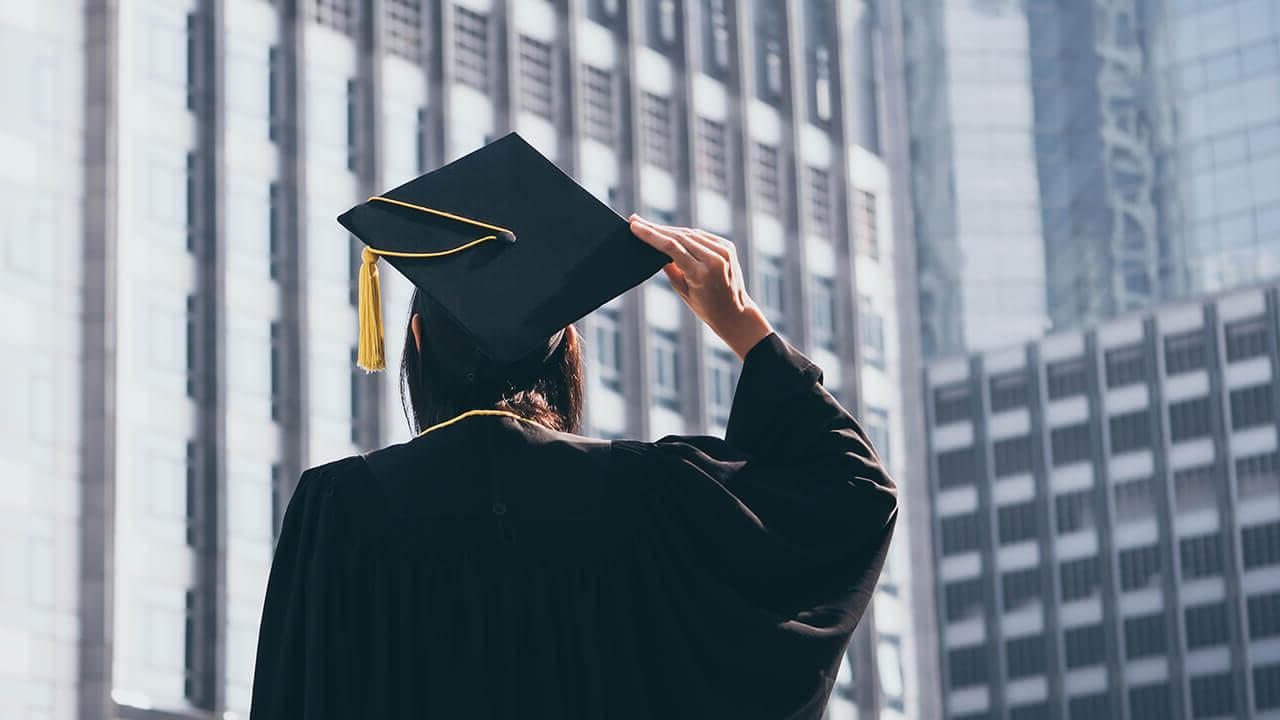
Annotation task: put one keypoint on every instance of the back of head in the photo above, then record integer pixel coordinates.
(551, 394)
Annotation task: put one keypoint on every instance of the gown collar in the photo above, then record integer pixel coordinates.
(470, 413)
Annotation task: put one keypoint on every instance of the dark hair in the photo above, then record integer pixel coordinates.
(429, 396)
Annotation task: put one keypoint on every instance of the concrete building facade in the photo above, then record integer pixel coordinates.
(1107, 518)
(182, 300)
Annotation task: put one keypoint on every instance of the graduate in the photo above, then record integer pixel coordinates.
(500, 565)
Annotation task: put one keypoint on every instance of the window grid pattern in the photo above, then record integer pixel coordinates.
(404, 29)
(768, 168)
(337, 14)
(865, 232)
(536, 78)
(1246, 339)
(713, 156)
(820, 202)
(471, 48)
(656, 123)
(597, 104)
(665, 351)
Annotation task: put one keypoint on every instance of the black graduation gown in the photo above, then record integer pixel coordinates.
(496, 569)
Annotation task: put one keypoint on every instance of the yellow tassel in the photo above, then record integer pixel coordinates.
(369, 352)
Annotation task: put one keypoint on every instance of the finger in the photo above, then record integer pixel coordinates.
(664, 243)
(708, 243)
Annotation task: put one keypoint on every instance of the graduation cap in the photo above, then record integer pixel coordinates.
(507, 249)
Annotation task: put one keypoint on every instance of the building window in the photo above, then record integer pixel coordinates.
(1079, 578)
(963, 599)
(717, 28)
(956, 467)
(1126, 366)
(876, 423)
(1206, 625)
(1074, 511)
(865, 229)
(768, 179)
(1070, 444)
(1213, 696)
(656, 121)
(821, 83)
(1066, 378)
(1201, 556)
(1026, 656)
(1088, 707)
(1017, 522)
(967, 666)
(1020, 588)
(1246, 339)
(274, 120)
(1139, 567)
(1012, 456)
(1195, 489)
(607, 338)
(420, 139)
(721, 381)
(277, 389)
(961, 533)
(1008, 390)
(662, 24)
(1258, 476)
(192, 345)
(192, 200)
(597, 104)
(274, 215)
(872, 332)
(1145, 636)
(1150, 701)
(1266, 687)
(1264, 616)
(823, 308)
(1189, 419)
(1084, 646)
(951, 403)
(1260, 545)
(404, 29)
(337, 14)
(1130, 431)
(536, 78)
(820, 202)
(277, 500)
(773, 287)
(471, 48)
(353, 125)
(1033, 711)
(665, 354)
(1135, 501)
(1251, 407)
(1185, 352)
(713, 156)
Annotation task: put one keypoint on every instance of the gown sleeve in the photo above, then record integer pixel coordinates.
(299, 647)
(792, 509)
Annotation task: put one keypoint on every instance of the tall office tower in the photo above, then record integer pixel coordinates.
(1107, 518)
(1096, 170)
(1215, 76)
(179, 299)
(974, 187)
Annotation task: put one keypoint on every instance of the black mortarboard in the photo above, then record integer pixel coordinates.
(505, 246)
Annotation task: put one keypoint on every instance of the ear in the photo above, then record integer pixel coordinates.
(415, 323)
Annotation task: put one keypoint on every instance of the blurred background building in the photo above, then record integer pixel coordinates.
(179, 299)
(1107, 518)
(1072, 161)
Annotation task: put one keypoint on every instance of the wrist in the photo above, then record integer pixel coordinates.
(746, 331)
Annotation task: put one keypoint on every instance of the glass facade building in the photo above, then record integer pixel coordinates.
(1106, 518)
(974, 187)
(180, 300)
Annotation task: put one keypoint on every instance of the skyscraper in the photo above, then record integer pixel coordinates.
(1073, 161)
(182, 300)
(1106, 508)
(974, 190)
